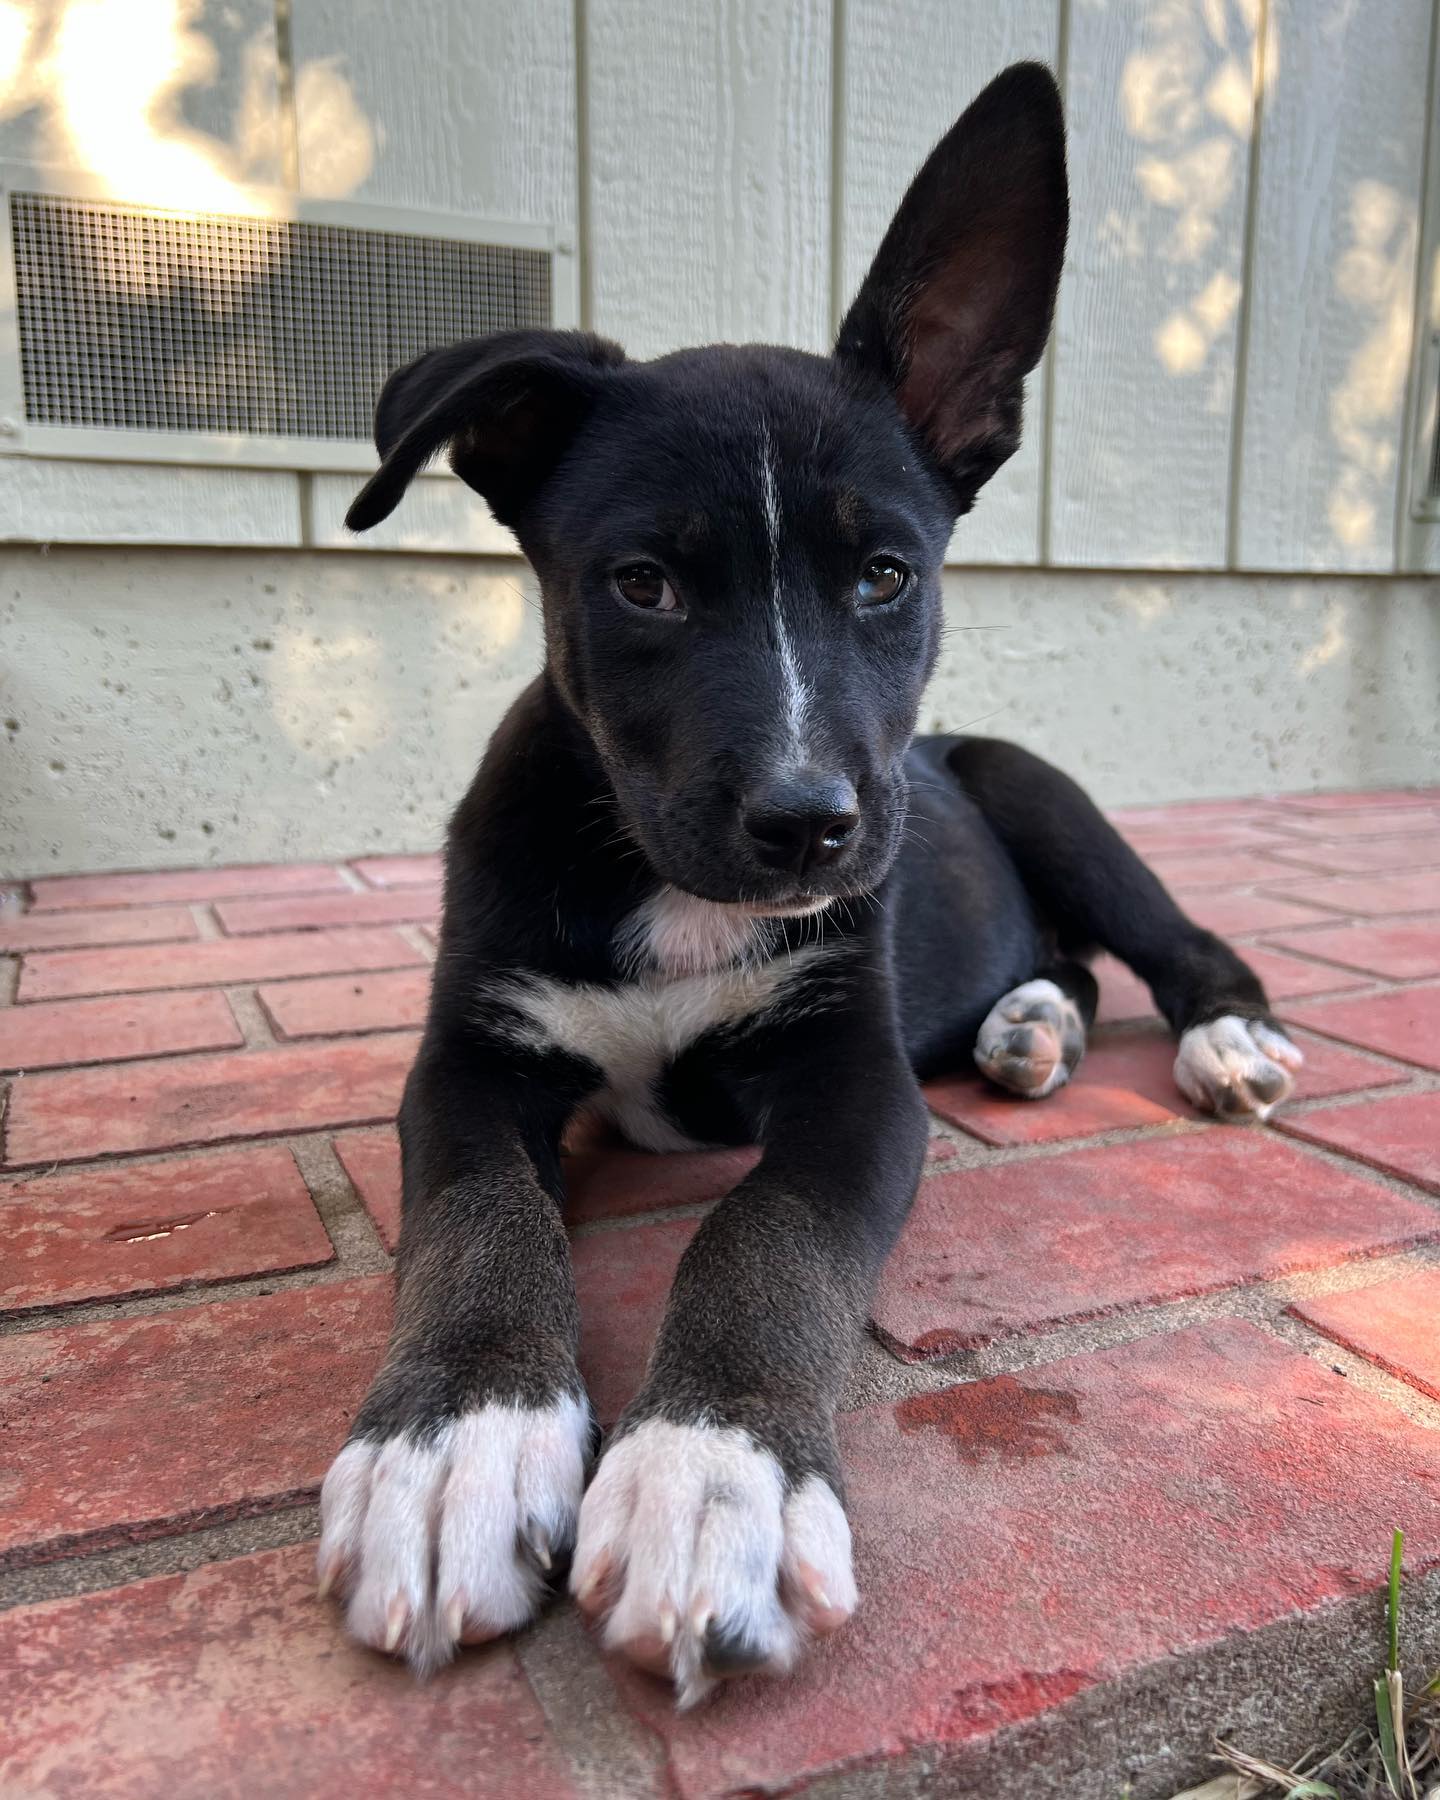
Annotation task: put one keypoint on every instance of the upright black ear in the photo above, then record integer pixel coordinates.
(957, 305)
(506, 405)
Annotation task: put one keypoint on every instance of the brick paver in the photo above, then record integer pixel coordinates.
(1172, 838)
(612, 1184)
(1194, 873)
(1367, 894)
(63, 974)
(623, 1279)
(1404, 1023)
(332, 1005)
(1233, 915)
(1400, 1135)
(1099, 1097)
(1343, 827)
(1370, 801)
(56, 1032)
(139, 1228)
(232, 1681)
(372, 1161)
(55, 891)
(1403, 951)
(1022, 1539)
(165, 1105)
(1289, 977)
(1393, 1323)
(1415, 850)
(400, 871)
(1124, 996)
(125, 1429)
(309, 912)
(83, 930)
(604, 1183)
(991, 1252)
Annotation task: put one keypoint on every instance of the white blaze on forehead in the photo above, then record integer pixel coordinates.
(797, 698)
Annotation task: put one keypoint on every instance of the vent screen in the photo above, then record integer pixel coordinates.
(147, 321)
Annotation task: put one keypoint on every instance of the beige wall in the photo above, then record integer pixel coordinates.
(1233, 387)
(215, 706)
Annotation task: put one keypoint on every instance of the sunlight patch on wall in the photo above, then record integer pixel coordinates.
(1189, 96)
(1330, 644)
(111, 82)
(337, 144)
(1373, 277)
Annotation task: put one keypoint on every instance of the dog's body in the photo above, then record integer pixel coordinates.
(706, 885)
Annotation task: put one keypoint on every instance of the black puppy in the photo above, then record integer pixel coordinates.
(681, 892)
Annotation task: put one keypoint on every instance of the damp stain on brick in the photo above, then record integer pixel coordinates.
(1001, 1417)
(148, 1232)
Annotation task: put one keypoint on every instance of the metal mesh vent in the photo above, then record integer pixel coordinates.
(148, 321)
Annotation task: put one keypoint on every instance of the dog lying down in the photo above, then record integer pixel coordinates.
(681, 893)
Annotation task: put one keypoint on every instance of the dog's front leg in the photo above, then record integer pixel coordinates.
(713, 1539)
(459, 1486)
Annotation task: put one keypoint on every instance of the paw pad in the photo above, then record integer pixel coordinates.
(1032, 1040)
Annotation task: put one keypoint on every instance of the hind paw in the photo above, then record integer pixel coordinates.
(1234, 1067)
(1032, 1040)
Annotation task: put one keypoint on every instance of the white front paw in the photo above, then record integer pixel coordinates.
(446, 1539)
(1234, 1066)
(701, 1563)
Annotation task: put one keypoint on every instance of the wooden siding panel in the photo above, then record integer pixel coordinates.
(949, 50)
(709, 172)
(1332, 287)
(456, 107)
(1160, 102)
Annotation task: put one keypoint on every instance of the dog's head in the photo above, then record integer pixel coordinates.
(740, 548)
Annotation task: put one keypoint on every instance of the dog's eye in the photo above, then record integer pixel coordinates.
(643, 585)
(881, 581)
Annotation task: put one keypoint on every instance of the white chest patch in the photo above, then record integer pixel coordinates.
(636, 1030)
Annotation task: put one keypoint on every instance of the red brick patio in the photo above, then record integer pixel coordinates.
(1145, 1398)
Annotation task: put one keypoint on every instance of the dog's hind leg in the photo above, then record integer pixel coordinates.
(1093, 889)
(1033, 1038)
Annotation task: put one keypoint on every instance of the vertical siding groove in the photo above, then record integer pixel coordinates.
(285, 97)
(584, 249)
(1427, 250)
(839, 298)
(1247, 273)
(1047, 416)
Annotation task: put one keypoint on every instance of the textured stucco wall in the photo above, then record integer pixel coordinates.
(169, 706)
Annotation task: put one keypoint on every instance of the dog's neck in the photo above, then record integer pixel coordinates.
(575, 880)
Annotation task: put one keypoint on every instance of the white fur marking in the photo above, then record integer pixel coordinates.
(1220, 1064)
(635, 1031)
(428, 1538)
(798, 697)
(677, 933)
(689, 1525)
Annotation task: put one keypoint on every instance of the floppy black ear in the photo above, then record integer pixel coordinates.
(957, 305)
(505, 405)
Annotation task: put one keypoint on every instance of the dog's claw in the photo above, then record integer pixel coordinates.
(702, 1563)
(1236, 1068)
(397, 1617)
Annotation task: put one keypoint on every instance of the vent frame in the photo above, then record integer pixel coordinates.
(1425, 460)
(20, 436)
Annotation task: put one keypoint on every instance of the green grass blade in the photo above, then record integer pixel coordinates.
(1387, 1736)
(1393, 1609)
(1312, 1790)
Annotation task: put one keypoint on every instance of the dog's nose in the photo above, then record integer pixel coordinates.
(802, 821)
